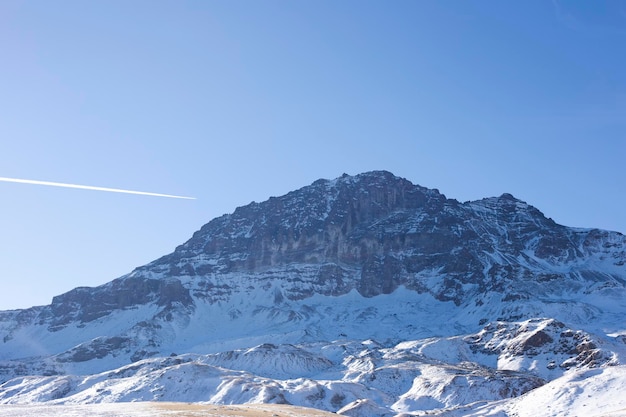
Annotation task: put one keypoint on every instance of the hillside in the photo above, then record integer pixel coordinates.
(364, 295)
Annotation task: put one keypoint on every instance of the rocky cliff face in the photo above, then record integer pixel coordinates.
(392, 231)
(372, 232)
(363, 256)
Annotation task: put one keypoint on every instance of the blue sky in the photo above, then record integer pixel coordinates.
(233, 102)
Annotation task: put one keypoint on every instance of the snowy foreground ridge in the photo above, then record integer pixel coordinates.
(364, 296)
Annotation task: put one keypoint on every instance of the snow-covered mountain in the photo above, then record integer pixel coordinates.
(364, 295)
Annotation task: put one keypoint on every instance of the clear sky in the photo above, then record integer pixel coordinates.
(237, 101)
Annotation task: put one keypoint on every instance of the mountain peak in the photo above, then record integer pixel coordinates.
(369, 256)
(382, 225)
(365, 179)
(507, 196)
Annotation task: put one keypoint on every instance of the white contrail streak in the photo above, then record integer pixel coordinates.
(89, 187)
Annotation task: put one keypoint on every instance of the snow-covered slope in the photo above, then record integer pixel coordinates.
(593, 393)
(364, 294)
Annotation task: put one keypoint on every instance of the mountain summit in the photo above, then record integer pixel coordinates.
(366, 257)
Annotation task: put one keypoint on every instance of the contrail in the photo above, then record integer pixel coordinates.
(89, 187)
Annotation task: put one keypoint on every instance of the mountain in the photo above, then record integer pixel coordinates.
(364, 295)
